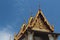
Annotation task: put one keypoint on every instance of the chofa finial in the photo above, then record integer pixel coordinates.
(24, 20)
(39, 6)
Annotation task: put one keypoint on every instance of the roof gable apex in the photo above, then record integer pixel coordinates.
(44, 20)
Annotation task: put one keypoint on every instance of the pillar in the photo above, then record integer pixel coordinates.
(30, 35)
(50, 37)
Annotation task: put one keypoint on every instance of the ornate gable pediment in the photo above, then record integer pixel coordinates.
(40, 23)
(37, 23)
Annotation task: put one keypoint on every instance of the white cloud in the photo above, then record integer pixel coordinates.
(6, 33)
(4, 36)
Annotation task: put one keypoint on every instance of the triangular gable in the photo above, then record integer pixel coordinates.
(40, 23)
(21, 32)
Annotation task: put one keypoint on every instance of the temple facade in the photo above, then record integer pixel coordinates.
(38, 28)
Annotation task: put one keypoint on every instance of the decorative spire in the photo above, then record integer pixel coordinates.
(24, 20)
(31, 14)
(39, 6)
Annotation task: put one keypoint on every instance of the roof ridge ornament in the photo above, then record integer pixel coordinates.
(39, 6)
(24, 20)
(31, 13)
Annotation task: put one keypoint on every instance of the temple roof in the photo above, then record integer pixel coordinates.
(44, 20)
(37, 23)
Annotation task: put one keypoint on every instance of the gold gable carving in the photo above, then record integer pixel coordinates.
(41, 23)
(37, 23)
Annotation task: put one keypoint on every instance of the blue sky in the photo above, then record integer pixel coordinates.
(13, 12)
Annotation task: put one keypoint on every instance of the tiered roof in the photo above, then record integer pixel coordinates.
(37, 23)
